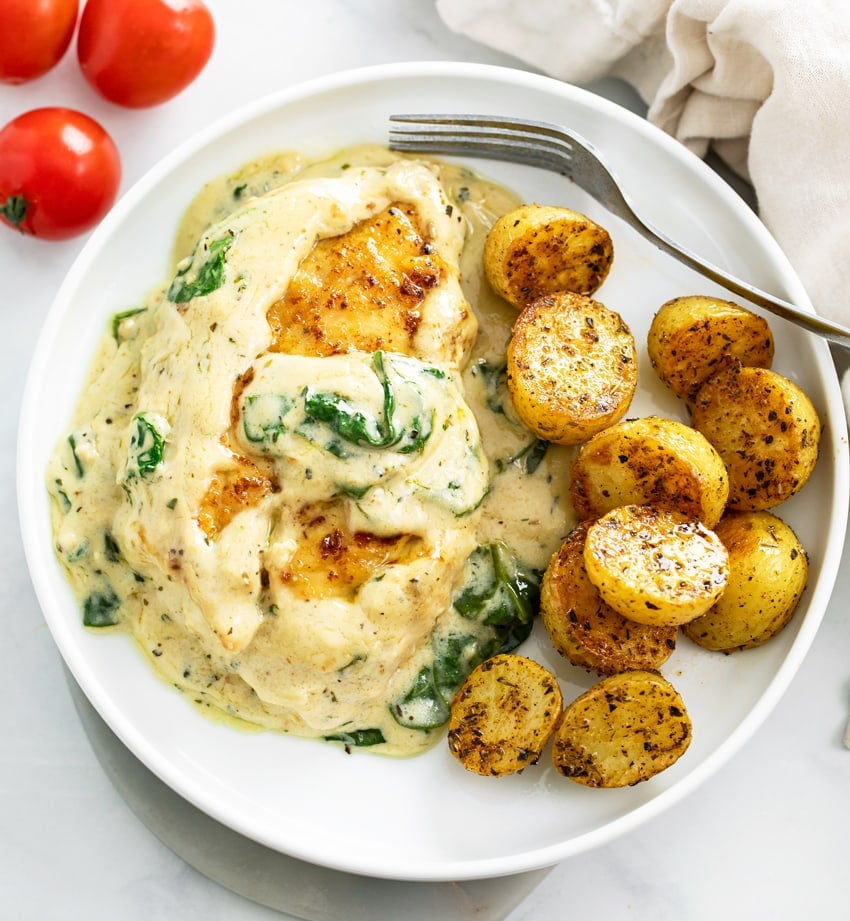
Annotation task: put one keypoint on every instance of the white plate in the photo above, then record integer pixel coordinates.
(277, 880)
(425, 818)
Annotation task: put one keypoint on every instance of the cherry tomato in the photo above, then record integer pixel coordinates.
(59, 173)
(34, 35)
(139, 53)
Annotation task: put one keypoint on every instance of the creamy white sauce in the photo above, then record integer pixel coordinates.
(444, 462)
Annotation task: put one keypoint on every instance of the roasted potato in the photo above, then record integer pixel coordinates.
(692, 337)
(503, 715)
(650, 461)
(655, 566)
(768, 569)
(572, 367)
(584, 629)
(625, 729)
(542, 249)
(766, 430)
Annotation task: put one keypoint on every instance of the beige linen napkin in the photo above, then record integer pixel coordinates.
(765, 83)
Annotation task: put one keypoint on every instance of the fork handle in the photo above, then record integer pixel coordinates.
(834, 332)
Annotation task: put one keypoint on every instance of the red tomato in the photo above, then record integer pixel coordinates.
(34, 35)
(59, 173)
(139, 53)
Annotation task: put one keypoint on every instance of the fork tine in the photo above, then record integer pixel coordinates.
(499, 144)
(529, 127)
(498, 148)
(473, 129)
(489, 139)
(495, 137)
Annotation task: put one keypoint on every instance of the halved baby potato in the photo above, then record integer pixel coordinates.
(765, 428)
(655, 566)
(650, 461)
(503, 715)
(690, 338)
(542, 249)
(571, 367)
(625, 729)
(768, 570)
(584, 629)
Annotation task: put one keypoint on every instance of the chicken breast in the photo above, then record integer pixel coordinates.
(320, 468)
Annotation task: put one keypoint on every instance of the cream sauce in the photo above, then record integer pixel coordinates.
(184, 390)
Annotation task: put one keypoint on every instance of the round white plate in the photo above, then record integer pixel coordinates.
(426, 818)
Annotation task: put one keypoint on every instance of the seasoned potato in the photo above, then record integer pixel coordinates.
(650, 461)
(572, 367)
(587, 631)
(503, 715)
(625, 729)
(542, 249)
(766, 430)
(768, 569)
(655, 566)
(692, 337)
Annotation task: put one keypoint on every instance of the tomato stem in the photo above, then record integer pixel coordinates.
(14, 209)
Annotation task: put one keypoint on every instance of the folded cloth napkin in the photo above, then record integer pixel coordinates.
(765, 83)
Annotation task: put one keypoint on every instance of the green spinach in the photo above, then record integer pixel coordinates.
(531, 456)
(500, 590)
(495, 378)
(78, 465)
(209, 276)
(358, 737)
(100, 609)
(500, 599)
(147, 443)
(362, 429)
(118, 319)
(262, 417)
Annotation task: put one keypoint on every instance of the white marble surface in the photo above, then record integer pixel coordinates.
(762, 839)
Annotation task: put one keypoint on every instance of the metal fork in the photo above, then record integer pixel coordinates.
(555, 148)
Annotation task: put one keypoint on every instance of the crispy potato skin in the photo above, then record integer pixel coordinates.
(768, 570)
(572, 367)
(766, 430)
(655, 566)
(542, 249)
(625, 729)
(692, 337)
(650, 461)
(584, 629)
(503, 715)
